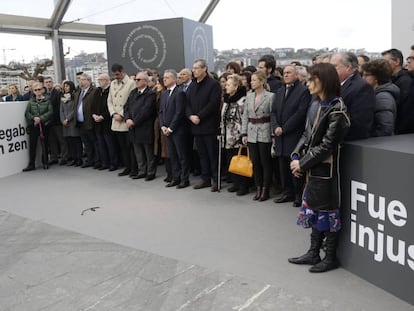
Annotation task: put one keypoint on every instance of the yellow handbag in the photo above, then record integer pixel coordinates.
(241, 164)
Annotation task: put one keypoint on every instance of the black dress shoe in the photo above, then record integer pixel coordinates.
(168, 179)
(51, 162)
(78, 163)
(214, 187)
(102, 168)
(173, 183)
(297, 203)
(85, 165)
(284, 198)
(149, 177)
(183, 185)
(29, 168)
(139, 176)
(96, 166)
(124, 173)
(242, 191)
(233, 189)
(112, 168)
(63, 162)
(202, 184)
(71, 163)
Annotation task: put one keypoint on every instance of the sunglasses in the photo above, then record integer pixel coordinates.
(37, 89)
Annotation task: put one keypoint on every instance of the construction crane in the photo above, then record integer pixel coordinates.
(4, 54)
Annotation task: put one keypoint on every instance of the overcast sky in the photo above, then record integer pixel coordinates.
(236, 24)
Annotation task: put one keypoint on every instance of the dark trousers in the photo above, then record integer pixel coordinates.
(107, 151)
(57, 144)
(90, 145)
(74, 144)
(291, 185)
(262, 163)
(147, 164)
(178, 150)
(126, 150)
(240, 182)
(207, 146)
(33, 137)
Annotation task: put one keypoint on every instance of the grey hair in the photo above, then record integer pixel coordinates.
(86, 76)
(301, 70)
(172, 72)
(350, 59)
(145, 75)
(203, 63)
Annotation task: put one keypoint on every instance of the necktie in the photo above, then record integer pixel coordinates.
(80, 106)
(288, 87)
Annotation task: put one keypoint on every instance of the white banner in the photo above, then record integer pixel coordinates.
(14, 138)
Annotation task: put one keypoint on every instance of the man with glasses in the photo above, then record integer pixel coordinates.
(401, 79)
(140, 113)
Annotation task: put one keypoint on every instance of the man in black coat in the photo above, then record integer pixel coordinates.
(203, 110)
(102, 125)
(402, 79)
(140, 113)
(358, 95)
(288, 116)
(57, 145)
(175, 126)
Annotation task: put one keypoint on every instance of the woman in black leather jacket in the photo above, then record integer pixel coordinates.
(317, 155)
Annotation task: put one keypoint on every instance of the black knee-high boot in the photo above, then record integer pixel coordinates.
(312, 256)
(330, 261)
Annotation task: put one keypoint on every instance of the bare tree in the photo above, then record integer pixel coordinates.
(22, 70)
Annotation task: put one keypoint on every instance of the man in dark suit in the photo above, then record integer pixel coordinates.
(203, 110)
(175, 126)
(402, 79)
(57, 145)
(84, 99)
(140, 113)
(358, 95)
(288, 116)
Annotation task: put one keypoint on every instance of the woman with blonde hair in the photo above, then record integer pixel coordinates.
(14, 94)
(256, 133)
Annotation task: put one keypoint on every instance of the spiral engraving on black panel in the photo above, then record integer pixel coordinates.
(199, 43)
(145, 47)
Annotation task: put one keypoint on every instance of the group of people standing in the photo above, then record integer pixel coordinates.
(300, 118)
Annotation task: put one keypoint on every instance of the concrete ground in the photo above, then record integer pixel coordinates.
(148, 248)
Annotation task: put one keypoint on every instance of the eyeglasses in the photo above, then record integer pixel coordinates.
(37, 90)
(410, 58)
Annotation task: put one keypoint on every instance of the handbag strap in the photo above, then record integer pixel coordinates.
(240, 150)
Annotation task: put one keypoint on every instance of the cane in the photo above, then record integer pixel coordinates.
(43, 145)
(219, 137)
